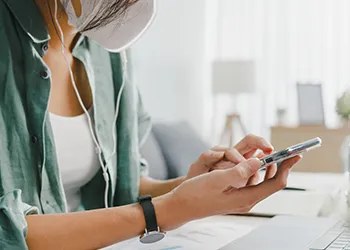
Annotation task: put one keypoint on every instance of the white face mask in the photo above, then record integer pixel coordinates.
(120, 33)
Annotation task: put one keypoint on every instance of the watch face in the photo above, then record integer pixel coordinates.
(152, 237)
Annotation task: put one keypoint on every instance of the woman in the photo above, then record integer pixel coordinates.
(70, 174)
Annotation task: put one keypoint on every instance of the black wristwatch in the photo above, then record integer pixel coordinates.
(152, 231)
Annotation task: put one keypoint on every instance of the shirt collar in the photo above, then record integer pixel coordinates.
(29, 17)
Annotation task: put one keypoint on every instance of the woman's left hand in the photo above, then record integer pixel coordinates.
(223, 158)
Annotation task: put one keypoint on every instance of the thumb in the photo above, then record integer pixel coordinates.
(243, 171)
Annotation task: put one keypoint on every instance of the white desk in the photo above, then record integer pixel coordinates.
(320, 198)
(209, 233)
(215, 232)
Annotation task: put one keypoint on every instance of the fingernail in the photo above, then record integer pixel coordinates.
(219, 155)
(267, 144)
(300, 158)
(255, 160)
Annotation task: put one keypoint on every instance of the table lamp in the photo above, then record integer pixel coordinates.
(233, 78)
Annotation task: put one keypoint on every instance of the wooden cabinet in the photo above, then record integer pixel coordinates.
(324, 159)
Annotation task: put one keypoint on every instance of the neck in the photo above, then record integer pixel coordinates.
(47, 9)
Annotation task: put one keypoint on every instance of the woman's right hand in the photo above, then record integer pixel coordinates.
(213, 194)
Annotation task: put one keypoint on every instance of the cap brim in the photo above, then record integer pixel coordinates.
(124, 31)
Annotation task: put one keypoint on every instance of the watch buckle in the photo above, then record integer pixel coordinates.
(158, 230)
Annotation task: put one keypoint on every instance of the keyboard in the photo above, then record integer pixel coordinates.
(337, 238)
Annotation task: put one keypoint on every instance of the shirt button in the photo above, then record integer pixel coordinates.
(45, 47)
(34, 139)
(45, 74)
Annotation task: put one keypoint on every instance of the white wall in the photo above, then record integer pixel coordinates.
(292, 41)
(171, 64)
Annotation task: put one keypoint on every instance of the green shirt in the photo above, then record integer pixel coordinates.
(30, 181)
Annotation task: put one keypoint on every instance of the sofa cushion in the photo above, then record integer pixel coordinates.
(181, 146)
(152, 153)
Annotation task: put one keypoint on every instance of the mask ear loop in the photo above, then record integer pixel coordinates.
(98, 147)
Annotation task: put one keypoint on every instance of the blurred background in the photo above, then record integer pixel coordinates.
(278, 69)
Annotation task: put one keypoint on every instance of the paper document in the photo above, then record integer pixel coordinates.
(195, 235)
(304, 203)
(322, 182)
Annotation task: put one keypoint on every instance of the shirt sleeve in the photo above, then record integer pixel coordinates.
(144, 128)
(13, 226)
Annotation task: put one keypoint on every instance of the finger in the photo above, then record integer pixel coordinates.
(251, 153)
(223, 165)
(273, 185)
(231, 159)
(270, 171)
(219, 148)
(242, 172)
(234, 156)
(252, 142)
(210, 158)
(254, 179)
(255, 153)
(261, 155)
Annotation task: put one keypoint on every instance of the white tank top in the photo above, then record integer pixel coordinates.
(77, 159)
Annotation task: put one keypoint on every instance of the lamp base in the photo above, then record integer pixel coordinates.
(229, 131)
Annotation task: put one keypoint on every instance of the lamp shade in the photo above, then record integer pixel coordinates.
(234, 77)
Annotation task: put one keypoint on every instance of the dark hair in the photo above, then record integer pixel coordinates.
(107, 13)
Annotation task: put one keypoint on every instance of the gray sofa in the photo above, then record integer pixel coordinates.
(171, 149)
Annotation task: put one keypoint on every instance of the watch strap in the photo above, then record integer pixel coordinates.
(149, 213)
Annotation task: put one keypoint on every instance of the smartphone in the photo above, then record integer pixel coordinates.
(290, 152)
